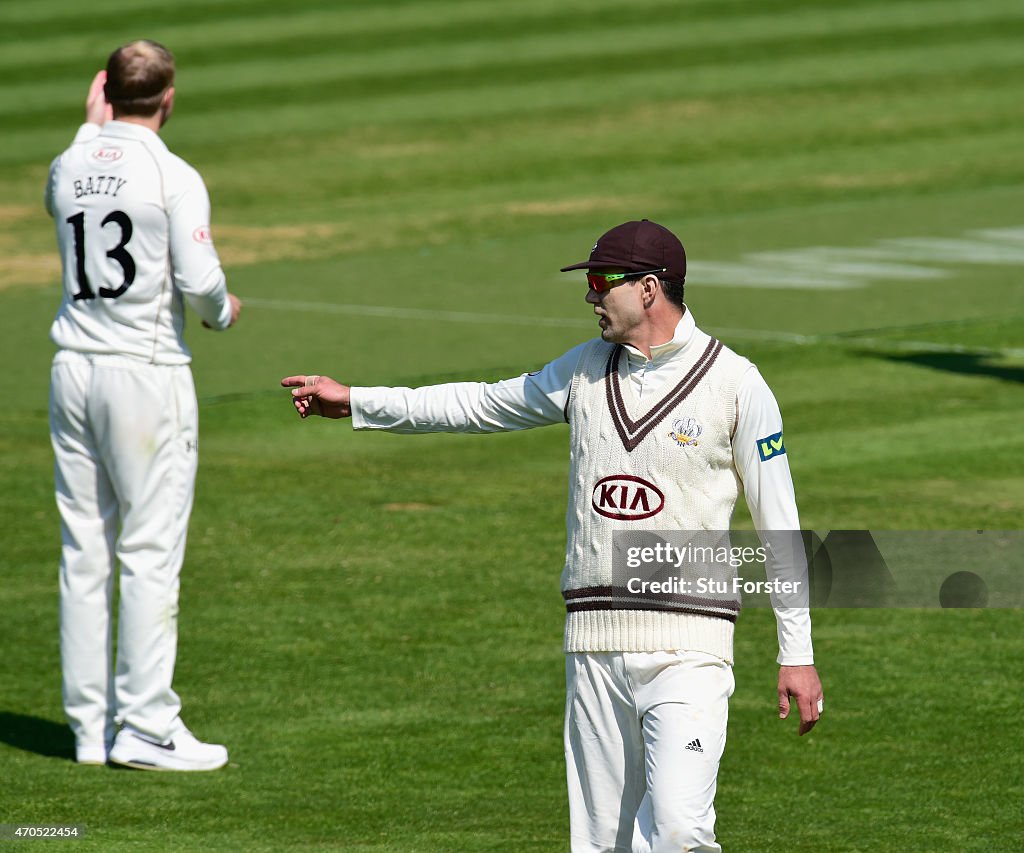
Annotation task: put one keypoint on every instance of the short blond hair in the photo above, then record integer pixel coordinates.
(138, 74)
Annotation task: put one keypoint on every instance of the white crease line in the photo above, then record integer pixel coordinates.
(395, 313)
(929, 346)
(870, 343)
(769, 335)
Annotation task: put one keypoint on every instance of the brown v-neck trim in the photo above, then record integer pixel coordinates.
(633, 432)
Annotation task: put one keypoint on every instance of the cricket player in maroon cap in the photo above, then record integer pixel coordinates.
(666, 426)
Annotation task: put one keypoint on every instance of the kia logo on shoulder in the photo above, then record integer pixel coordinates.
(627, 498)
(110, 154)
(202, 235)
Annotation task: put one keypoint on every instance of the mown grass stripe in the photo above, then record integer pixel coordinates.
(225, 22)
(365, 19)
(549, 55)
(348, 40)
(714, 138)
(441, 93)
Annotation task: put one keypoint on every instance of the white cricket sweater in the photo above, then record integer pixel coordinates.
(667, 466)
(540, 398)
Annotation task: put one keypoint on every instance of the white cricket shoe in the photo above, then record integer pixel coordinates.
(182, 751)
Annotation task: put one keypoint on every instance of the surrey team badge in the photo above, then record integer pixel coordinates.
(685, 432)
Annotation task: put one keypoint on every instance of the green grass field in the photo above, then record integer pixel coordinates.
(372, 623)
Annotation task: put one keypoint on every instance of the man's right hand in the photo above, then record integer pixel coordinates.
(97, 110)
(236, 308)
(319, 395)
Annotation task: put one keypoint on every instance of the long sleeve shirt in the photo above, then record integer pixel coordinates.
(133, 227)
(539, 399)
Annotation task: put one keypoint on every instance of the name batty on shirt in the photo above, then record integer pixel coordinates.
(99, 185)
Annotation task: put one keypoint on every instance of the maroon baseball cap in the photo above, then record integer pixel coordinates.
(637, 246)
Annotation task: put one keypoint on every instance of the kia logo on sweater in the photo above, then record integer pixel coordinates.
(627, 498)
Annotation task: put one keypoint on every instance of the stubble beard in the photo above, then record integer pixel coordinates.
(609, 334)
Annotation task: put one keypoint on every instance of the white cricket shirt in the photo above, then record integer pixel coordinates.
(133, 227)
(539, 399)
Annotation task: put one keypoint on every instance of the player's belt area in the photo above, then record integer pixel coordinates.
(103, 359)
(623, 598)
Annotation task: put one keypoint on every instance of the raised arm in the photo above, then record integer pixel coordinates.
(531, 400)
(97, 111)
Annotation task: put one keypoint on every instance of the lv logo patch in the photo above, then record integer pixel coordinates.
(770, 447)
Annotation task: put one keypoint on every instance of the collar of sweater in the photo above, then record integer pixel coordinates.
(684, 333)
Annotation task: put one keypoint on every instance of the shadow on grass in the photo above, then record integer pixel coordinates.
(965, 363)
(34, 734)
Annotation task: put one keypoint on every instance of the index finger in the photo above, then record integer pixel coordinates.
(293, 381)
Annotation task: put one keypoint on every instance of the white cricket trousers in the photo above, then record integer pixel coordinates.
(644, 734)
(124, 437)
